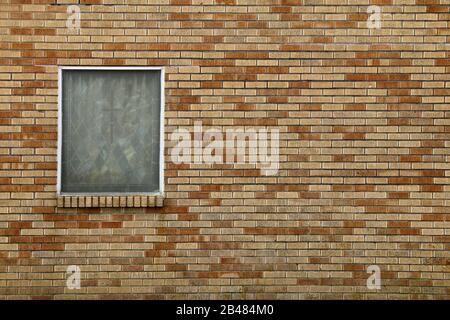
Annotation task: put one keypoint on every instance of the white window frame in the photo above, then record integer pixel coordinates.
(60, 128)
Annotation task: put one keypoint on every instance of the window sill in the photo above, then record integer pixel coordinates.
(110, 201)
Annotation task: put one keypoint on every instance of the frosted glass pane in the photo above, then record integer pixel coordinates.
(110, 131)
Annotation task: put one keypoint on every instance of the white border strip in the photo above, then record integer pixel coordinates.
(161, 149)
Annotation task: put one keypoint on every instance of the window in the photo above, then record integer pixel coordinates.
(110, 131)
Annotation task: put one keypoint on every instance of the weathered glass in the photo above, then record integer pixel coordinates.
(110, 131)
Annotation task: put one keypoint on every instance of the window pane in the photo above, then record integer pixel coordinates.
(110, 131)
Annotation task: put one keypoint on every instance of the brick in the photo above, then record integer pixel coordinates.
(363, 178)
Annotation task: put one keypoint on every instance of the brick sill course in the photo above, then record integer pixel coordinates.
(131, 201)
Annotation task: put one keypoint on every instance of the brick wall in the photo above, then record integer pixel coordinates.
(364, 128)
